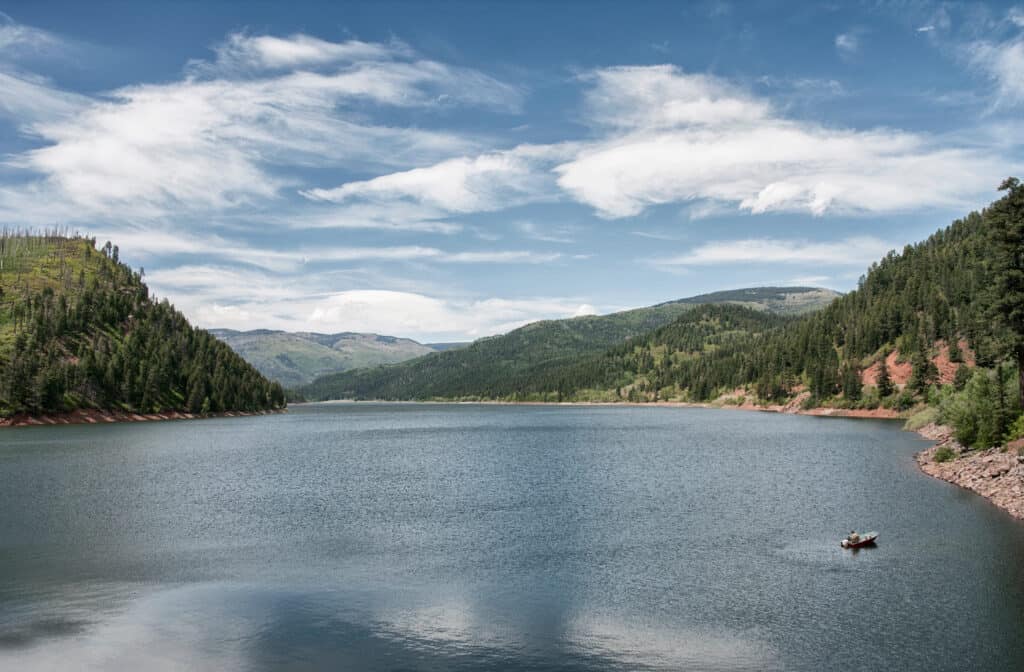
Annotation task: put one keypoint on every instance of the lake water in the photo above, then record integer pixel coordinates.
(474, 537)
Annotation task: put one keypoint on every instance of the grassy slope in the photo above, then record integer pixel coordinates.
(489, 367)
(295, 359)
(30, 265)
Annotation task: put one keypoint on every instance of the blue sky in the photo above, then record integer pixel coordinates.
(446, 171)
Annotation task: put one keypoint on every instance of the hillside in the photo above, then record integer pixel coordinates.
(498, 366)
(777, 300)
(906, 308)
(295, 359)
(930, 326)
(78, 330)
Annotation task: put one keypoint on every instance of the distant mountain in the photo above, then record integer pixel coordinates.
(777, 300)
(295, 359)
(491, 366)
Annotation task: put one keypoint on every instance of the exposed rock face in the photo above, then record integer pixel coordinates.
(996, 474)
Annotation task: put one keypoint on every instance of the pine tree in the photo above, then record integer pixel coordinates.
(1007, 219)
(884, 381)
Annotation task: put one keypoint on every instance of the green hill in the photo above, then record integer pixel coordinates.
(78, 329)
(295, 359)
(498, 366)
(955, 300)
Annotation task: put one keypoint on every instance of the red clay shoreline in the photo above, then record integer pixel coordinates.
(97, 417)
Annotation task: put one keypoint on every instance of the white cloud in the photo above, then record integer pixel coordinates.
(392, 216)
(1003, 63)
(482, 183)
(216, 296)
(1016, 16)
(761, 162)
(855, 251)
(17, 39)
(24, 96)
(657, 97)
(485, 182)
(147, 243)
(847, 43)
(547, 233)
(241, 51)
(222, 140)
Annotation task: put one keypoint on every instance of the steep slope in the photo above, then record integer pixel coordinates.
(500, 365)
(297, 358)
(79, 330)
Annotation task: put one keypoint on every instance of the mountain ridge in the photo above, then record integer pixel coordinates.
(490, 365)
(297, 358)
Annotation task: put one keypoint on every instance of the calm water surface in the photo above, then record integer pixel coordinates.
(461, 537)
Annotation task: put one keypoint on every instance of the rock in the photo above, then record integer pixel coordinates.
(996, 470)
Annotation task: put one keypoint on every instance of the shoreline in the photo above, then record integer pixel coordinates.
(788, 409)
(97, 417)
(997, 474)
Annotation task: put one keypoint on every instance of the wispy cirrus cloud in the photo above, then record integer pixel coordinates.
(32, 99)
(1003, 64)
(18, 40)
(481, 183)
(855, 251)
(149, 242)
(226, 135)
(241, 52)
(847, 44)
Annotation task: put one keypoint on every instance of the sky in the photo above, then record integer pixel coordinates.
(445, 171)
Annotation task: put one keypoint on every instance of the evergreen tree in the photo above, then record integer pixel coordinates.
(1007, 226)
(851, 382)
(884, 381)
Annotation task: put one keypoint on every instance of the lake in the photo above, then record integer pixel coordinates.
(476, 537)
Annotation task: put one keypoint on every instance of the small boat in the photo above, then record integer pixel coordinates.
(866, 539)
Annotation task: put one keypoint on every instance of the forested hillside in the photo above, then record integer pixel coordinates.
(297, 358)
(934, 293)
(522, 360)
(78, 329)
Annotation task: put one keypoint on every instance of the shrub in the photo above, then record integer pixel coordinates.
(944, 454)
(904, 400)
(981, 413)
(1016, 430)
(925, 416)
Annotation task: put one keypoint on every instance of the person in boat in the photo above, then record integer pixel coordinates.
(854, 537)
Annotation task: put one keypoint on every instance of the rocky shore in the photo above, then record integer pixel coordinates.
(996, 474)
(95, 417)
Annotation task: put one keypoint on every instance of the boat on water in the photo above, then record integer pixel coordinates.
(866, 539)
